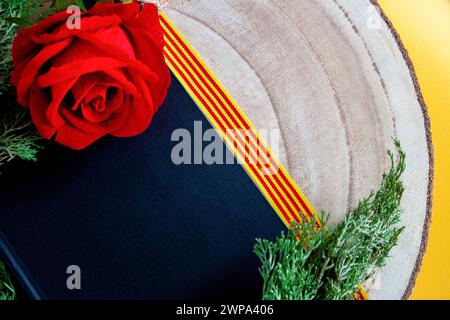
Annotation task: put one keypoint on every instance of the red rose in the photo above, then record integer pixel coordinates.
(107, 77)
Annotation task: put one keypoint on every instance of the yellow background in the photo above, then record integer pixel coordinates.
(424, 26)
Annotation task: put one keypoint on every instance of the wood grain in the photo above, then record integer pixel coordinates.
(335, 80)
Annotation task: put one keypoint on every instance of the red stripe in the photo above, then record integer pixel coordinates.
(224, 129)
(231, 116)
(361, 295)
(253, 144)
(256, 172)
(225, 97)
(293, 213)
(246, 125)
(233, 107)
(176, 55)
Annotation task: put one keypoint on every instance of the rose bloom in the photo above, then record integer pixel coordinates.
(106, 77)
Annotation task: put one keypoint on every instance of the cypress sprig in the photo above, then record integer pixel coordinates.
(330, 264)
(11, 12)
(7, 291)
(18, 137)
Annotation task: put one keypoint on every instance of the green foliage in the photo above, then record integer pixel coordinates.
(11, 12)
(291, 268)
(18, 137)
(7, 291)
(63, 4)
(323, 265)
(330, 264)
(21, 22)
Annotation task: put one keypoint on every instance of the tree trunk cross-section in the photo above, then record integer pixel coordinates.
(333, 77)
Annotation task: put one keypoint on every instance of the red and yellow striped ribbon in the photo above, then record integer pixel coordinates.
(227, 117)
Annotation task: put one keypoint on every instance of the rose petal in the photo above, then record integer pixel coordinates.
(23, 45)
(16, 74)
(31, 70)
(94, 116)
(143, 87)
(76, 69)
(116, 44)
(119, 53)
(124, 83)
(114, 121)
(140, 114)
(125, 12)
(117, 118)
(148, 53)
(87, 24)
(38, 106)
(114, 37)
(98, 90)
(77, 51)
(148, 21)
(59, 92)
(83, 86)
(76, 139)
(113, 103)
(96, 94)
(116, 100)
(76, 120)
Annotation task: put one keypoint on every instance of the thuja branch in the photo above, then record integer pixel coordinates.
(7, 291)
(18, 137)
(331, 264)
(10, 12)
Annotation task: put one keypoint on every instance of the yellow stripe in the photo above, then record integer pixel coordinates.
(267, 153)
(239, 110)
(223, 135)
(254, 152)
(216, 126)
(264, 151)
(363, 292)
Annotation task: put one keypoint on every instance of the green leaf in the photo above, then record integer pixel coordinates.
(12, 10)
(63, 4)
(21, 22)
(329, 265)
(7, 291)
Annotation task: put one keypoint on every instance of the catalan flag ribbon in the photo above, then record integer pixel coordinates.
(237, 131)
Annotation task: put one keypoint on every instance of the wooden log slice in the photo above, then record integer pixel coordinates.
(334, 78)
